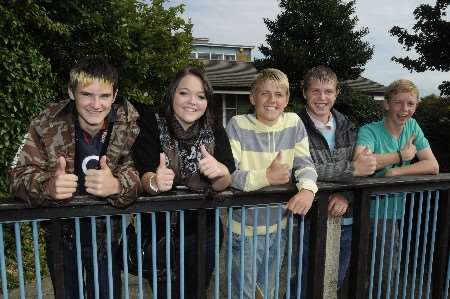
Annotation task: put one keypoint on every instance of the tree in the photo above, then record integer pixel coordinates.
(147, 42)
(308, 33)
(430, 39)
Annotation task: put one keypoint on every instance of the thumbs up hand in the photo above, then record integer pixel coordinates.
(364, 163)
(278, 173)
(101, 182)
(164, 175)
(409, 151)
(63, 185)
(209, 166)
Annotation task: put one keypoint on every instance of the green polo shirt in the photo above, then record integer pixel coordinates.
(377, 139)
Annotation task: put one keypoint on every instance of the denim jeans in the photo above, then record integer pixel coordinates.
(260, 263)
(70, 271)
(344, 259)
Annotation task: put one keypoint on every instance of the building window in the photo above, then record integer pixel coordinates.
(229, 107)
(193, 55)
(203, 55)
(216, 56)
(230, 57)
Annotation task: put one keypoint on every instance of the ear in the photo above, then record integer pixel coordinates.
(304, 94)
(115, 95)
(338, 91)
(252, 100)
(386, 105)
(71, 95)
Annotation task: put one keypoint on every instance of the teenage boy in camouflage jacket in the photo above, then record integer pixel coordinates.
(77, 147)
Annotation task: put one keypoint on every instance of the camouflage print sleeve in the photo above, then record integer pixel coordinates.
(28, 173)
(124, 170)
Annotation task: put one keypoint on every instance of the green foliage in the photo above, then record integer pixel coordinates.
(358, 107)
(433, 115)
(147, 42)
(27, 253)
(26, 86)
(308, 33)
(429, 39)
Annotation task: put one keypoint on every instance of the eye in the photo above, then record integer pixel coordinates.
(202, 97)
(183, 92)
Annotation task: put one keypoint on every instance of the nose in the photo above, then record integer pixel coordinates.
(404, 106)
(96, 102)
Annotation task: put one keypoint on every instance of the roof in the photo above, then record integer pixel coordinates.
(240, 75)
(205, 42)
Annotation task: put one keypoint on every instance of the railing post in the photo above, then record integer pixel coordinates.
(318, 239)
(359, 265)
(56, 243)
(442, 245)
(201, 253)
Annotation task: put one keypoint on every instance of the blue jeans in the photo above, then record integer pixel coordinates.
(248, 246)
(344, 258)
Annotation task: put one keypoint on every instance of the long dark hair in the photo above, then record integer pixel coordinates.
(209, 116)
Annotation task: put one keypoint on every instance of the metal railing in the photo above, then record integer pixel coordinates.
(415, 247)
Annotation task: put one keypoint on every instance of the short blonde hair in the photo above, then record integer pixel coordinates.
(401, 86)
(271, 74)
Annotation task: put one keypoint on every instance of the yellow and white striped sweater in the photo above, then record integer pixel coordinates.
(254, 146)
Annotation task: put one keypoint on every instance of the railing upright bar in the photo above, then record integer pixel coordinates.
(382, 245)
(416, 248)
(139, 252)
(447, 281)
(37, 263)
(360, 245)
(318, 239)
(123, 222)
(425, 243)
(217, 253)
(432, 244)
(408, 245)
(278, 256)
(301, 234)
(3, 264)
(254, 250)
(399, 262)
(201, 252)
(391, 252)
(19, 259)
(181, 273)
(79, 261)
(242, 252)
(229, 252)
(154, 274)
(168, 261)
(109, 256)
(266, 253)
(94, 256)
(442, 247)
(374, 246)
(289, 255)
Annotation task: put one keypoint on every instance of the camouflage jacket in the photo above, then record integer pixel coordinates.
(52, 134)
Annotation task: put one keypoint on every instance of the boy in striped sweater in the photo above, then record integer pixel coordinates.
(268, 147)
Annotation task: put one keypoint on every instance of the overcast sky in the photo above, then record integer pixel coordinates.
(241, 22)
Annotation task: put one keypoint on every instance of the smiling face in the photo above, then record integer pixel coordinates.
(269, 100)
(320, 97)
(93, 102)
(400, 107)
(189, 101)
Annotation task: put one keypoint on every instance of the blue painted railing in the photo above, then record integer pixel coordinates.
(410, 258)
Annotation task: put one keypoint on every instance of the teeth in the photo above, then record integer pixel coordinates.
(270, 108)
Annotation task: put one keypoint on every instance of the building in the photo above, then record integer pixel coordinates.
(231, 71)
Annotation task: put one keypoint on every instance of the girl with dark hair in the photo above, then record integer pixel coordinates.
(184, 145)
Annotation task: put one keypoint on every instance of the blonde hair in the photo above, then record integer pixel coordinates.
(93, 68)
(270, 74)
(400, 86)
